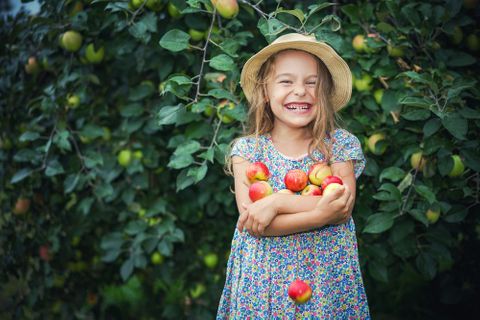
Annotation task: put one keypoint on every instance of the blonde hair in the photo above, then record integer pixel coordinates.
(261, 118)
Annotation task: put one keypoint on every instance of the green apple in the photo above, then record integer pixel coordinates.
(135, 4)
(208, 112)
(395, 51)
(457, 35)
(458, 167)
(157, 258)
(138, 154)
(432, 214)
(418, 161)
(73, 101)
(228, 9)
(94, 56)
(107, 134)
(210, 260)
(473, 42)
(372, 143)
(32, 66)
(198, 290)
(71, 41)
(173, 11)
(225, 118)
(155, 5)
(124, 157)
(358, 43)
(363, 84)
(378, 95)
(196, 35)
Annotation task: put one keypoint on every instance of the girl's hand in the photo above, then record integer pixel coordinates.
(336, 206)
(257, 216)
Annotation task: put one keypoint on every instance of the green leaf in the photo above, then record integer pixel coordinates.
(60, 139)
(431, 127)
(54, 168)
(183, 180)
(352, 12)
(416, 102)
(416, 115)
(426, 265)
(457, 126)
(198, 173)
(188, 147)
(135, 227)
(385, 27)
(20, 175)
(295, 12)
(29, 136)
(378, 222)
(175, 40)
(127, 269)
(426, 193)
(419, 216)
(208, 155)
(169, 114)
(392, 173)
(180, 161)
(378, 270)
(112, 240)
(221, 94)
(131, 110)
(70, 182)
(85, 205)
(406, 182)
(222, 62)
(460, 59)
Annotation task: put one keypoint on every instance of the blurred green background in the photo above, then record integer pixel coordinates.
(115, 118)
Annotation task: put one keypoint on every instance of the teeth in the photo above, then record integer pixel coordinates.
(297, 107)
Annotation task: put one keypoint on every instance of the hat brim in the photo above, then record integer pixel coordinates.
(339, 70)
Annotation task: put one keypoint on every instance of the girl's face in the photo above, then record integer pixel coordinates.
(291, 89)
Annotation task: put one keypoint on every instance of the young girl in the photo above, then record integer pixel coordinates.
(294, 87)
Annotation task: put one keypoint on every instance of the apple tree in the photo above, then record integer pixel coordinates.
(116, 117)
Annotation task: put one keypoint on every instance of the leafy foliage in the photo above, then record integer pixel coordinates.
(122, 160)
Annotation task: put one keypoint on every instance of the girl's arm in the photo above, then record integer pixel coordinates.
(335, 208)
(257, 216)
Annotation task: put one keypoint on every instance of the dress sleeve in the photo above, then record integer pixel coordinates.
(346, 146)
(241, 148)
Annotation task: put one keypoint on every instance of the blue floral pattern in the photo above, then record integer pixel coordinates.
(260, 270)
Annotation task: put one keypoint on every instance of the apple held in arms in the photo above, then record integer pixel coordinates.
(299, 291)
(257, 171)
(259, 190)
(318, 172)
(296, 180)
(331, 183)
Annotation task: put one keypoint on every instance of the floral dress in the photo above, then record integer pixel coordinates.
(260, 270)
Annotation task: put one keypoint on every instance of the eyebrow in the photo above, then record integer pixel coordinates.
(292, 75)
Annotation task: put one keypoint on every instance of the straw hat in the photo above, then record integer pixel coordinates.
(341, 75)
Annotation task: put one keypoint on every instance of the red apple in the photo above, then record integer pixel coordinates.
(285, 191)
(257, 171)
(331, 179)
(44, 253)
(21, 206)
(312, 190)
(331, 183)
(318, 172)
(259, 190)
(299, 291)
(296, 180)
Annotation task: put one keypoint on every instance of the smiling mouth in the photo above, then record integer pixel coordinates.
(298, 106)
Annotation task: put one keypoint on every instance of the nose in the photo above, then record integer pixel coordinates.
(299, 89)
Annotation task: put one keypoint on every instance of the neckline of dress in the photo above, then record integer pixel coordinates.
(270, 141)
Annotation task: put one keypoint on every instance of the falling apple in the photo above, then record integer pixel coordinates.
(299, 291)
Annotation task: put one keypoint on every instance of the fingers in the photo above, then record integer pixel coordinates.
(241, 221)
